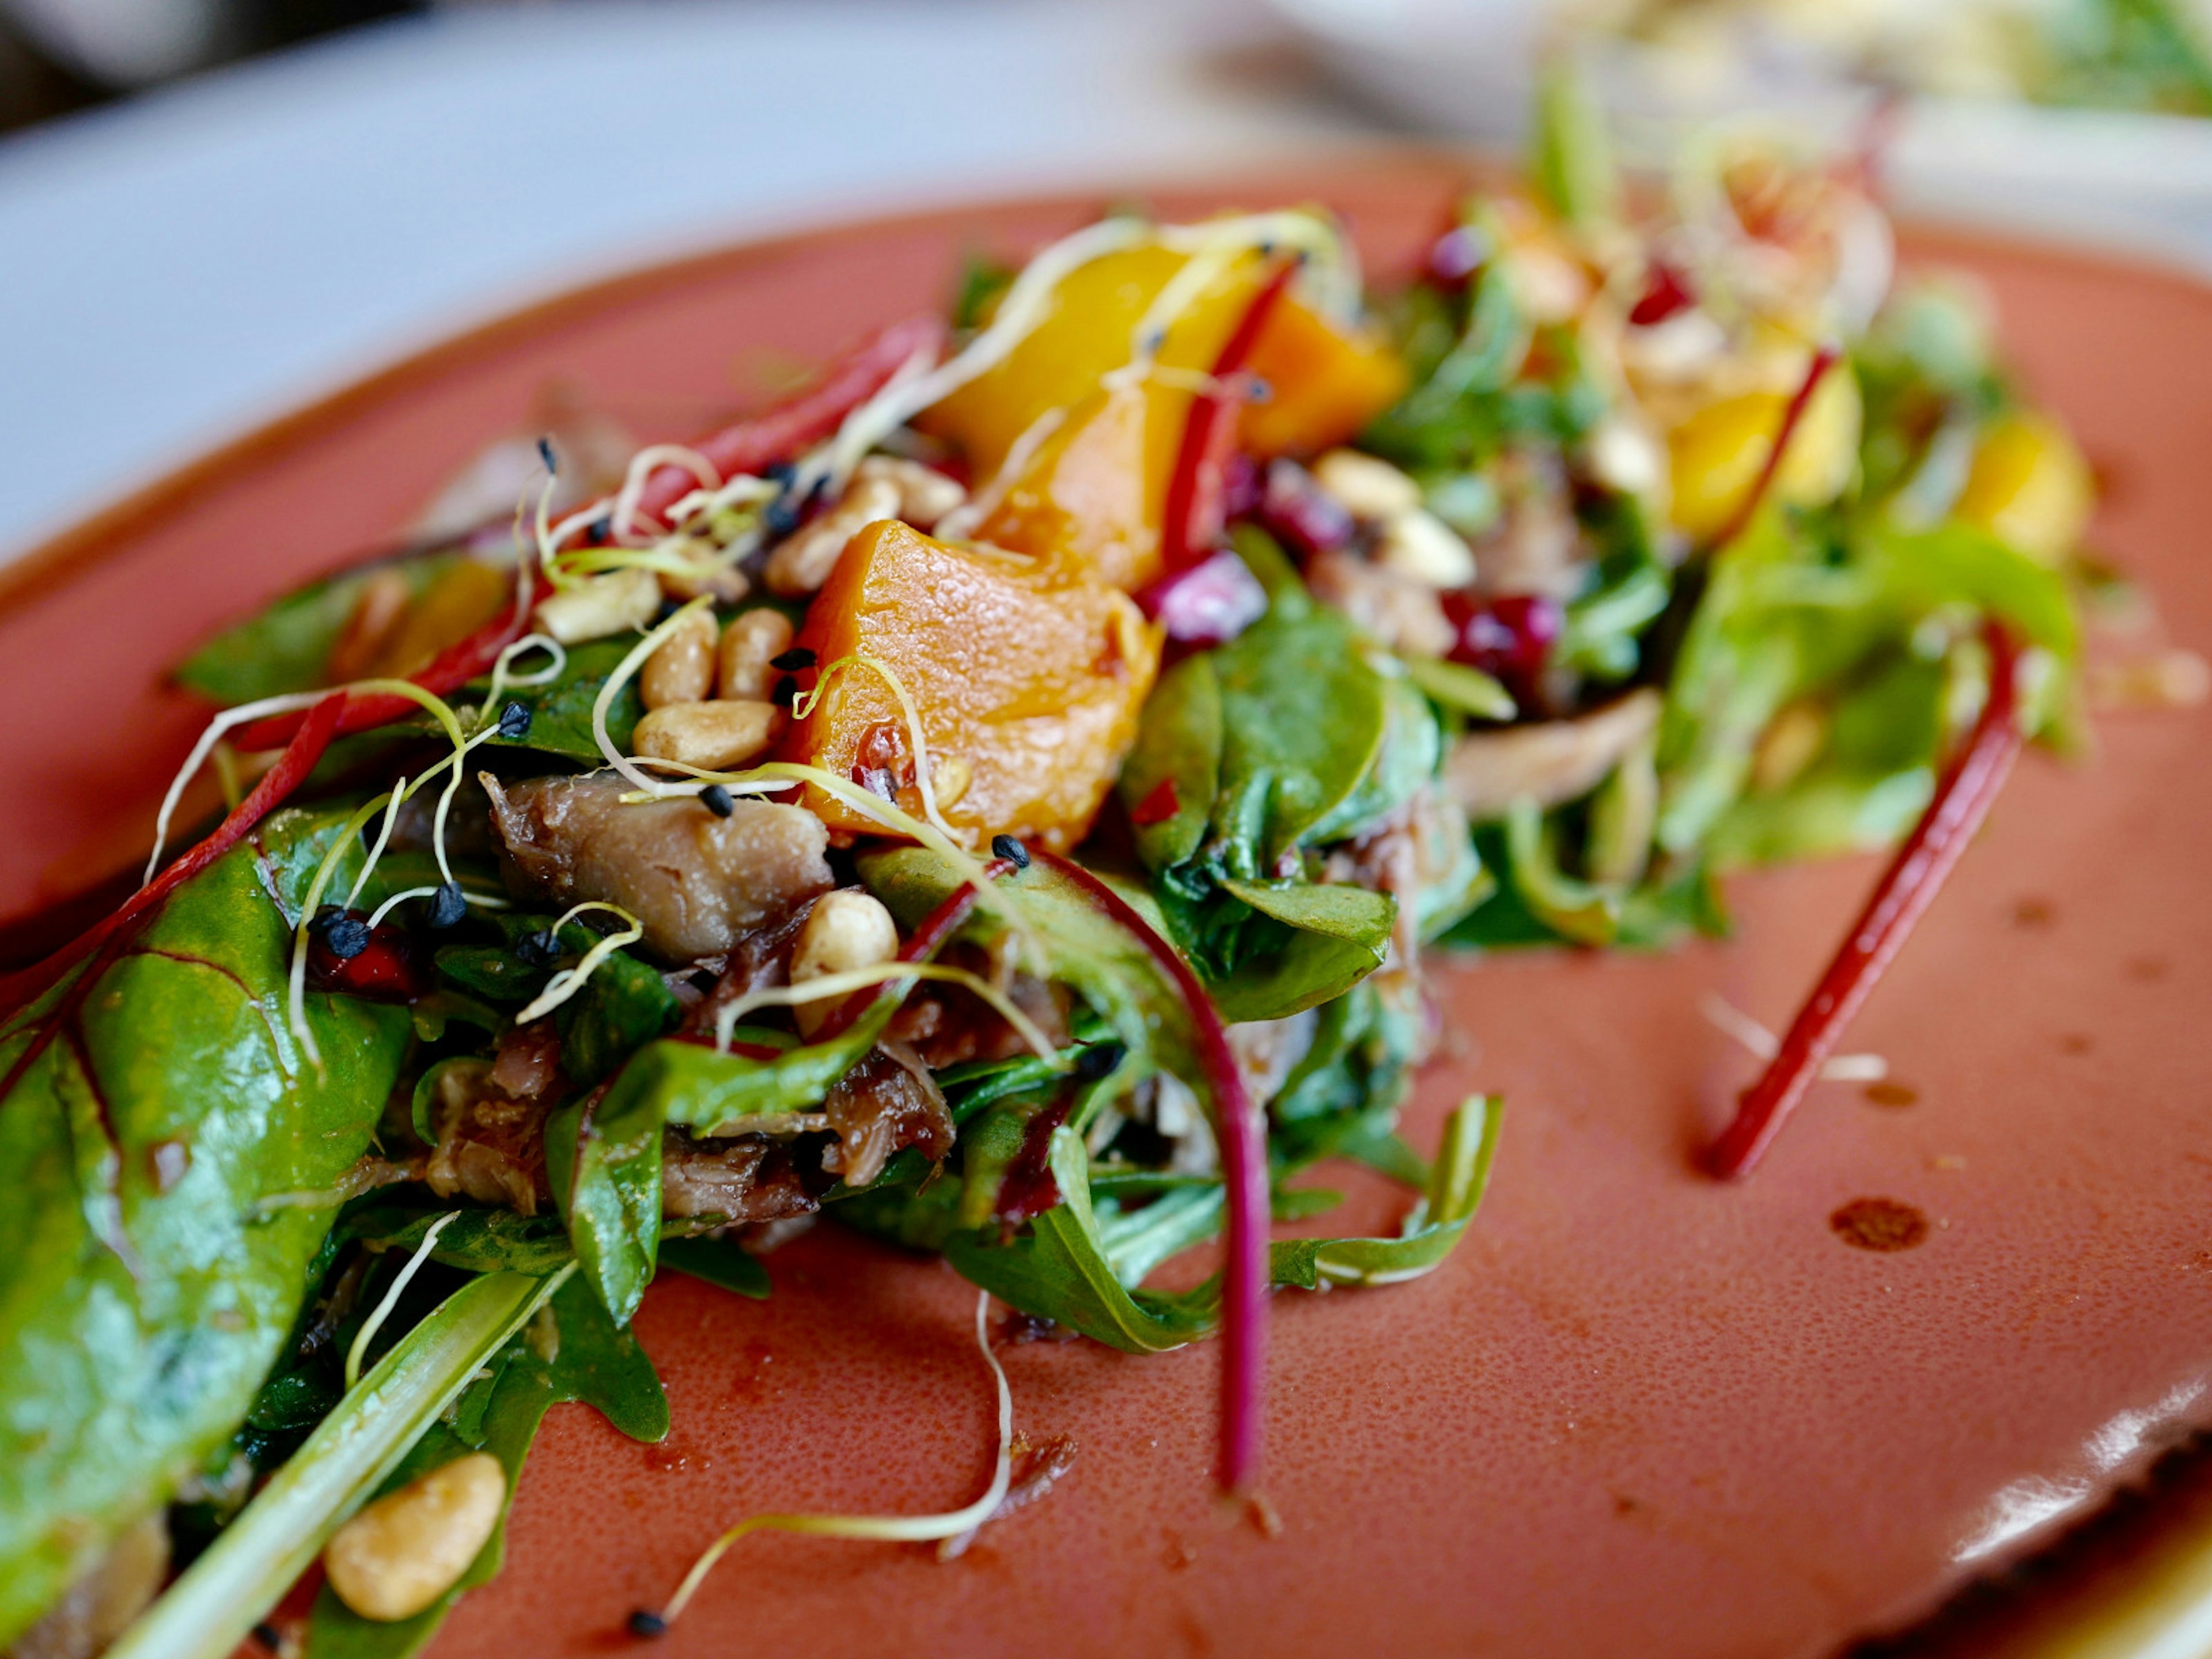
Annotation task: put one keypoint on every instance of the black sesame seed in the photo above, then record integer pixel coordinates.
(514, 721)
(781, 472)
(796, 658)
(781, 517)
(716, 799)
(545, 454)
(448, 906)
(785, 692)
(1006, 848)
(269, 1636)
(667, 609)
(538, 949)
(344, 935)
(1098, 1059)
(646, 1623)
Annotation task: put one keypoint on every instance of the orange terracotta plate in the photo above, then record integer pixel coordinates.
(1638, 1411)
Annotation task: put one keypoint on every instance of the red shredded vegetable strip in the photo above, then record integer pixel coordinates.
(747, 446)
(1962, 801)
(752, 446)
(1245, 1173)
(449, 670)
(1192, 520)
(276, 784)
(1816, 371)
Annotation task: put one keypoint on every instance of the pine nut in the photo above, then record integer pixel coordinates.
(1422, 548)
(1364, 487)
(602, 606)
(845, 929)
(682, 668)
(725, 582)
(925, 495)
(715, 737)
(410, 1546)
(803, 562)
(749, 643)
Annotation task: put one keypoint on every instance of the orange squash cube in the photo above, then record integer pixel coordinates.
(1324, 383)
(1092, 496)
(1027, 679)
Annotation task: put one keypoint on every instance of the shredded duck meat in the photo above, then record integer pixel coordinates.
(885, 1104)
(746, 1179)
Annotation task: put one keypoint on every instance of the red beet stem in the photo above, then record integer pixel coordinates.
(1823, 359)
(1244, 1172)
(1192, 519)
(276, 784)
(1962, 801)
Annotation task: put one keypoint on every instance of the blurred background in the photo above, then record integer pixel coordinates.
(212, 209)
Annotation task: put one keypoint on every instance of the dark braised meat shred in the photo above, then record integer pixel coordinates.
(885, 1104)
(696, 882)
(745, 1179)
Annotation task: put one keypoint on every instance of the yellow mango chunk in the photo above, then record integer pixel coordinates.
(1088, 329)
(1028, 679)
(1718, 453)
(2028, 486)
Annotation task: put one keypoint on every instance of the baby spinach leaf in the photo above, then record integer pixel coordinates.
(1302, 715)
(622, 1006)
(561, 710)
(146, 1286)
(1058, 1270)
(1178, 747)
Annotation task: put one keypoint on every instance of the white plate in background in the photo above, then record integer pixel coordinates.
(1464, 67)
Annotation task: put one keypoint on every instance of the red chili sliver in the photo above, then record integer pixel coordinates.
(1198, 487)
(1962, 801)
(1158, 805)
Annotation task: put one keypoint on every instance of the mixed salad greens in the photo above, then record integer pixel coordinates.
(998, 799)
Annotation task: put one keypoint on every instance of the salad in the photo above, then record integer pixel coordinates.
(999, 799)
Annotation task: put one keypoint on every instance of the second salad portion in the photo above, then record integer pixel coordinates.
(998, 798)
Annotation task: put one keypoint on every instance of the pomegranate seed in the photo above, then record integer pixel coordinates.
(1242, 488)
(1299, 514)
(1457, 255)
(1510, 638)
(1209, 604)
(1665, 292)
